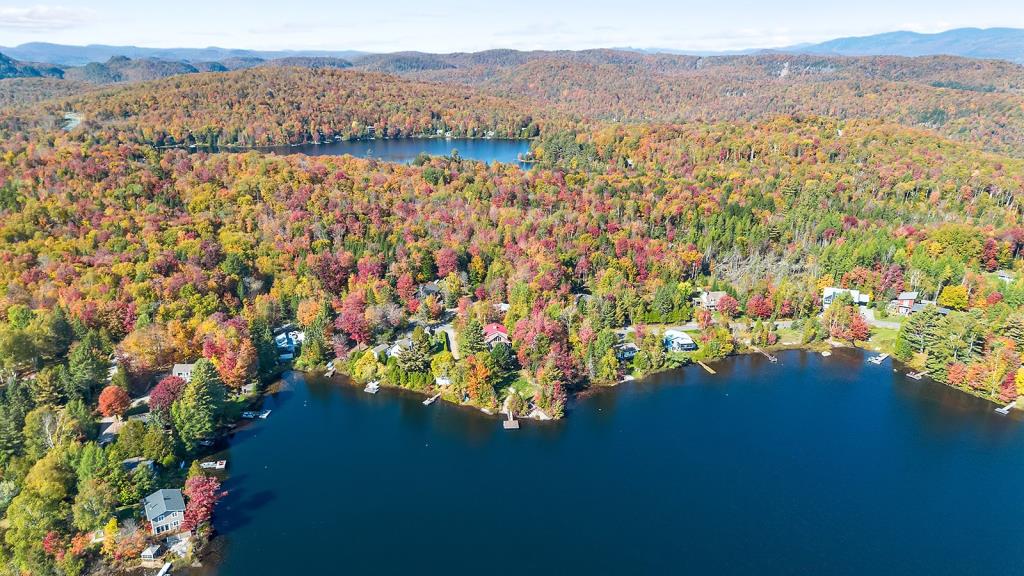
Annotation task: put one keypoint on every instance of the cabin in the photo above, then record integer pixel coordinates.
(678, 341)
(399, 346)
(495, 334)
(380, 350)
(152, 553)
(830, 294)
(626, 351)
(427, 289)
(165, 510)
(905, 302)
(709, 300)
(183, 371)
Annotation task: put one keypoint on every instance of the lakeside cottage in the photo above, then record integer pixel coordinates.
(830, 294)
(495, 334)
(399, 346)
(183, 371)
(626, 351)
(905, 302)
(165, 510)
(709, 300)
(678, 341)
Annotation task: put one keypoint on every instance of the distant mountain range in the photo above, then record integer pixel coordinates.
(999, 43)
(65, 55)
(991, 43)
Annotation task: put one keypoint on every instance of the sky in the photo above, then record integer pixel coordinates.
(464, 25)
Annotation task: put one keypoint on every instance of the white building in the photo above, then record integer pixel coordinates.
(183, 371)
(830, 294)
(678, 341)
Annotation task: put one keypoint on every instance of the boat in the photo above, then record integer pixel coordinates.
(263, 414)
(826, 353)
(372, 387)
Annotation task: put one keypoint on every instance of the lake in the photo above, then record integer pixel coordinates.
(406, 149)
(810, 466)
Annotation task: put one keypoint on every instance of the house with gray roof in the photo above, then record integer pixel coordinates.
(165, 510)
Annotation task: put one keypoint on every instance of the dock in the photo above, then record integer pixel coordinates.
(431, 400)
(1006, 409)
(165, 570)
(771, 358)
(706, 367)
(511, 423)
(878, 359)
(916, 375)
(372, 387)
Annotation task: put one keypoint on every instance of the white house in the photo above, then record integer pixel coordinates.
(183, 371)
(678, 341)
(165, 510)
(709, 300)
(495, 334)
(399, 346)
(830, 294)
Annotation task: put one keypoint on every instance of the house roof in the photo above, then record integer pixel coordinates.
(921, 306)
(494, 328)
(678, 335)
(182, 368)
(163, 501)
(907, 296)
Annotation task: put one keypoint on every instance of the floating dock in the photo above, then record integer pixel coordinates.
(431, 400)
(1006, 409)
(706, 367)
(372, 387)
(916, 375)
(878, 359)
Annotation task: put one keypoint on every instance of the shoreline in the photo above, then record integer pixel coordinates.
(236, 148)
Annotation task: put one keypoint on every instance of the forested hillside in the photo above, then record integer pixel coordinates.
(266, 106)
(140, 239)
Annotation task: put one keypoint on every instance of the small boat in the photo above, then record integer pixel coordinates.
(218, 465)
(205, 442)
(263, 414)
(372, 387)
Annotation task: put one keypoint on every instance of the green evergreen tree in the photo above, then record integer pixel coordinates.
(195, 414)
(471, 338)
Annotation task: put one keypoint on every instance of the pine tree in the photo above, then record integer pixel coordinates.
(195, 414)
(471, 339)
(416, 358)
(86, 366)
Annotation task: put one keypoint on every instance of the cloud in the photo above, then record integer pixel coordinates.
(42, 17)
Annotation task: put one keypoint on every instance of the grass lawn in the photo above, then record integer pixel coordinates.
(882, 339)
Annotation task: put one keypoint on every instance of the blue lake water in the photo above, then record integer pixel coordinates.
(810, 466)
(406, 149)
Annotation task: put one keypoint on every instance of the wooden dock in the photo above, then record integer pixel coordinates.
(431, 400)
(878, 359)
(916, 375)
(773, 359)
(372, 387)
(706, 367)
(1006, 409)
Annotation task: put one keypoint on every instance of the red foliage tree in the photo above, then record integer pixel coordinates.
(165, 393)
(759, 307)
(859, 329)
(203, 494)
(447, 262)
(114, 401)
(728, 306)
(352, 320)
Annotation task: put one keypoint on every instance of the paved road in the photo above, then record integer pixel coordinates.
(869, 315)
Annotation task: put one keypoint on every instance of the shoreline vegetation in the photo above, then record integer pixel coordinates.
(624, 250)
